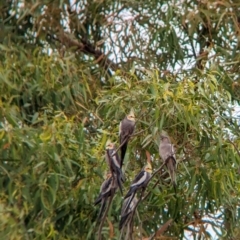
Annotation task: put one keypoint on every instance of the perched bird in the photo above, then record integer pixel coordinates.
(126, 214)
(126, 129)
(167, 153)
(113, 160)
(107, 189)
(140, 182)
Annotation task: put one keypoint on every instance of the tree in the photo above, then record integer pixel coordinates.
(71, 70)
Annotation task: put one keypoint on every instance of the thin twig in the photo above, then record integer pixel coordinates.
(153, 187)
(140, 224)
(150, 191)
(157, 171)
(138, 133)
(161, 230)
(238, 152)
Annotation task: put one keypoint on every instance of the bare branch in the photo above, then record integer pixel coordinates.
(150, 191)
(87, 48)
(161, 230)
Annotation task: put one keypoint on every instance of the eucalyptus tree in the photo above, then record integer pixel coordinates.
(71, 70)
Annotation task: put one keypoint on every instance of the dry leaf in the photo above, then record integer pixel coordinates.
(148, 157)
(111, 229)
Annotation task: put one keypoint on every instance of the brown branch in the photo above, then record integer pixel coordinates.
(87, 48)
(161, 230)
(154, 185)
(157, 171)
(150, 191)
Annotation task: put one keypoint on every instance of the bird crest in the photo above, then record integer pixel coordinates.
(109, 144)
(164, 136)
(148, 167)
(108, 175)
(131, 115)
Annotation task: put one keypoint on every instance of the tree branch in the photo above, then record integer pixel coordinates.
(161, 230)
(87, 48)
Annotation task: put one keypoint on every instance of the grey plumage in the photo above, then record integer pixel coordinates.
(113, 160)
(167, 153)
(107, 189)
(126, 129)
(140, 182)
(126, 213)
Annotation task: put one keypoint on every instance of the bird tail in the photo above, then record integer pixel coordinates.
(103, 205)
(123, 151)
(122, 177)
(175, 187)
(98, 200)
(171, 165)
(131, 191)
(173, 178)
(124, 220)
(126, 209)
(119, 179)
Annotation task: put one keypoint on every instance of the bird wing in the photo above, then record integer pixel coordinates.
(104, 190)
(115, 167)
(126, 129)
(126, 214)
(111, 160)
(173, 154)
(133, 204)
(170, 154)
(107, 158)
(116, 158)
(139, 179)
(120, 128)
(165, 151)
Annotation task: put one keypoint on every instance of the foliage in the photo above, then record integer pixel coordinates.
(69, 73)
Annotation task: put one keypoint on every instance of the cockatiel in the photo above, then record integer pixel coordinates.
(126, 129)
(167, 153)
(107, 189)
(113, 160)
(140, 182)
(126, 214)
